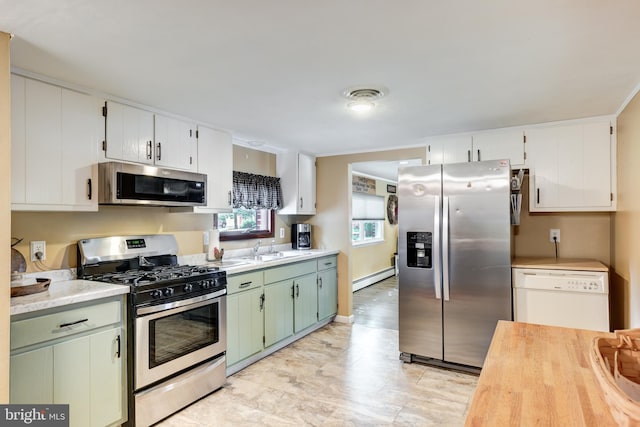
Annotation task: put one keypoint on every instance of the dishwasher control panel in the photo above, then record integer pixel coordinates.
(561, 280)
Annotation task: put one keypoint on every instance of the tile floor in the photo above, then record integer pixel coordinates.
(340, 375)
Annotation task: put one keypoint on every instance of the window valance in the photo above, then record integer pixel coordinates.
(252, 191)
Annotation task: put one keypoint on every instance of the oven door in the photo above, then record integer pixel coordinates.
(176, 336)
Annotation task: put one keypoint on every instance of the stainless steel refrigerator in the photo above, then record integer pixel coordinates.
(455, 260)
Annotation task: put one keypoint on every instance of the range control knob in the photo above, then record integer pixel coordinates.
(168, 292)
(156, 294)
(188, 287)
(206, 284)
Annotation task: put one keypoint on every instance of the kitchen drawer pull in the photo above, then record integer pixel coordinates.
(328, 263)
(159, 151)
(64, 325)
(118, 348)
(245, 284)
(90, 192)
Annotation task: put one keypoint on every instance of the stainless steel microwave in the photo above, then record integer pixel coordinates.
(131, 184)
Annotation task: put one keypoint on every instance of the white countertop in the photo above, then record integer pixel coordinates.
(577, 264)
(242, 265)
(65, 292)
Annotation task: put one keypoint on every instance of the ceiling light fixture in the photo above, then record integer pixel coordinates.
(255, 143)
(362, 98)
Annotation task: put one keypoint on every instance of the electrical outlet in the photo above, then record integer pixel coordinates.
(282, 232)
(38, 250)
(554, 232)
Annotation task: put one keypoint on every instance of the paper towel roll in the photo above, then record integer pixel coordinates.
(214, 242)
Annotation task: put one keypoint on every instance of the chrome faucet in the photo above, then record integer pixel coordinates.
(256, 248)
(271, 246)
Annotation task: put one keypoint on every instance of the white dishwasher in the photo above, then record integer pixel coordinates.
(568, 298)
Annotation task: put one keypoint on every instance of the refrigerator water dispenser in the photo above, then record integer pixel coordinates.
(419, 249)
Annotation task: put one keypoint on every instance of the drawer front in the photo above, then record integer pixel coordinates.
(288, 271)
(243, 282)
(327, 263)
(65, 323)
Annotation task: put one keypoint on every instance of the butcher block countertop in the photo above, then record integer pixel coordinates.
(539, 375)
(559, 264)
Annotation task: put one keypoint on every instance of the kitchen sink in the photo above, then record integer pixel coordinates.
(230, 262)
(280, 255)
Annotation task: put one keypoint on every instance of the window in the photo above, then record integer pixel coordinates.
(367, 223)
(245, 224)
(255, 199)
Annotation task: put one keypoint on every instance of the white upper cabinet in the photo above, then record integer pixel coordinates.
(215, 159)
(55, 138)
(140, 136)
(572, 167)
(176, 145)
(449, 149)
(489, 145)
(297, 172)
(129, 134)
(498, 145)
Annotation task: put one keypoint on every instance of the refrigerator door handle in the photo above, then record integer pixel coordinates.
(437, 281)
(445, 247)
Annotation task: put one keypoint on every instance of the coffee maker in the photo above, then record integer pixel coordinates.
(301, 236)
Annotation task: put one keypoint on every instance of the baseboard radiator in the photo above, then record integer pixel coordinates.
(363, 282)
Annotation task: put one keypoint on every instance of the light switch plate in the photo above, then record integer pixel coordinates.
(282, 232)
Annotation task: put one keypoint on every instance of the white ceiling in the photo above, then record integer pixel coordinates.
(274, 71)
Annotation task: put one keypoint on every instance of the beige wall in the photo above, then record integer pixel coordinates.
(61, 230)
(625, 228)
(5, 213)
(331, 223)
(371, 259)
(582, 234)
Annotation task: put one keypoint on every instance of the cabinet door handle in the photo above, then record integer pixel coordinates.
(297, 290)
(245, 284)
(301, 203)
(261, 301)
(159, 155)
(64, 325)
(479, 156)
(149, 150)
(292, 291)
(229, 198)
(118, 347)
(89, 189)
(537, 195)
(320, 282)
(468, 155)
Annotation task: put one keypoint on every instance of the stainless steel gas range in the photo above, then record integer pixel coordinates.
(176, 321)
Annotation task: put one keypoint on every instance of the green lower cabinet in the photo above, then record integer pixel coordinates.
(278, 312)
(305, 302)
(86, 373)
(327, 293)
(31, 378)
(245, 325)
(85, 368)
(107, 381)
